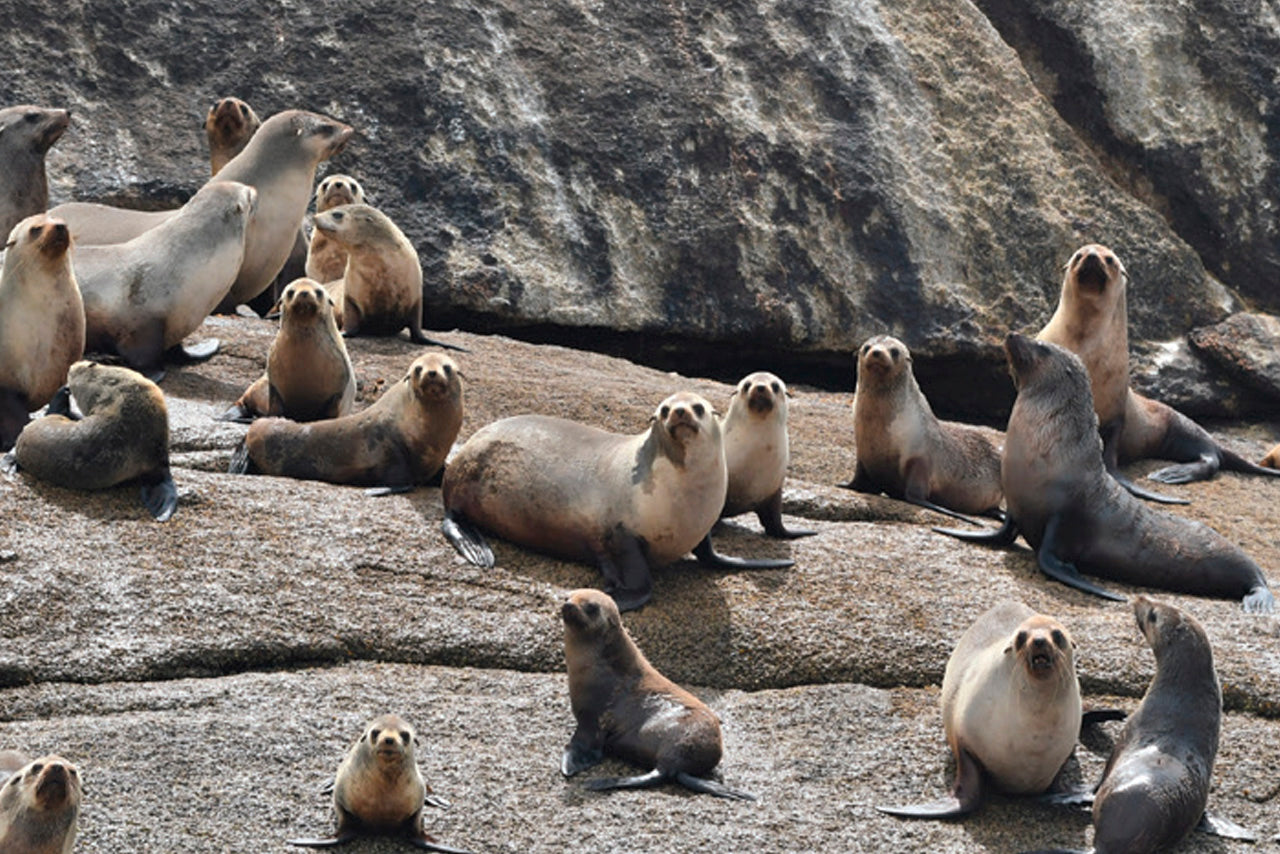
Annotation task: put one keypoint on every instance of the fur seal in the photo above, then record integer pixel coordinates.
(124, 435)
(26, 135)
(326, 259)
(756, 452)
(904, 451)
(1092, 321)
(1076, 516)
(379, 790)
(143, 297)
(228, 127)
(1011, 708)
(39, 805)
(41, 320)
(382, 282)
(309, 374)
(625, 708)
(1272, 459)
(398, 442)
(624, 503)
(1156, 781)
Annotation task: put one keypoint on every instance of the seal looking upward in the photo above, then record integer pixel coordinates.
(906, 452)
(39, 805)
(228, 128)
(1076, 516)
(26, 135)
(41, 320)
(756, 452)
(625, 708)
(379, 790)
(1092, 321)
(624, 503)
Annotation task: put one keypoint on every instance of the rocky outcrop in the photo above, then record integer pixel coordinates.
(667, 179)
(1247, 347)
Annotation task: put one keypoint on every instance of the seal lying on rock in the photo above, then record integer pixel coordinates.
(39, 804)
(906, 452)
(1077, 517)
(626, 708)
(625, 503)
(379, 790)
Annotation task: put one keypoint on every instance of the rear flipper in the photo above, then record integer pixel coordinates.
(601, 784)
(1093, 717)
(241, 462)
(707, 555)
(467, 540)
(711, 787)
(1232, 461)
(61, 404)
(427, 843)
(1002, 536)
(328, 842)
(161, 497)
(938, 508)
(1259, 601)
(417, 337)
(966, 794)
(1203, 468)
(197, 352)
(1111, 433)
(770, 515)
(387, 489)
(1069, 798)
(1217, 826)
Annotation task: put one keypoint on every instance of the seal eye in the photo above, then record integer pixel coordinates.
(448, 369)
(591, 609)
(1059, 640)
(36, 769)
(35, 232)
(1151, 616)
(325, 130)
(404, 738)
(31, 117)
(338, 215)
(664, 412)
(1111, 260)
(777, 389)
(699, 410)
(745, 386)
(894, 353)
(1021, 640)
(866, 348)
(373, 735)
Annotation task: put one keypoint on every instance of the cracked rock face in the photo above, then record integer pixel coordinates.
(207, 674)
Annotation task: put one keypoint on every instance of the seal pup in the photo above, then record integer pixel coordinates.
(39, 805)
(382, 282)
(379, 790)
(326, 259)
(623, 503)
(756, 452)
(906, 452)
(141, 298)
(397, 443)
(41, 320)
(309, 374)
(1011, 708)
(124, 435)
(1092, 321)
(1155, 784)
(26, 134)
(625, 708)
(228, 128)
(1076, 516)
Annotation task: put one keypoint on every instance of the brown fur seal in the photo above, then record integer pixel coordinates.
(124, 435)
(309, 375)
(228, 127)
(326, 259)
(624, 503)
(26, 135)
(398, 442)
(41, 321)
(627, 709)
(1156, 782)
(756, 452)
(1077, 518)
(382, 282)
(904, 451)
(1092, 321)
(141, 298)
(1010, 708)
(379, 790)
(39, 805)
(1272, 459)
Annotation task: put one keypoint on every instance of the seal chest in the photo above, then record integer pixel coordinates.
(39, 805)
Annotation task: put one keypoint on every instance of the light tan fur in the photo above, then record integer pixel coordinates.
(756, 446)
(382, 283)
(379, 782)
(326, 258)
(40, 807)
(1272, 459)
(228, 127)
(26, 134)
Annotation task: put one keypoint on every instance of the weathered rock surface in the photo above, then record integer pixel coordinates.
(661, 176)
(289, 612)
(1246, 346)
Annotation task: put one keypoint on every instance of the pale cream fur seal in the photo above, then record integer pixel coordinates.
(26, 134)
(625, 708)
(41, 320)
(1011, 708)
(1272, 459)
(309, 374)
(397, 443)
(623, 503)
(39, 805)
(228, 128)
(757, 451)
(326, 258)
(379, 790)
(904, 451)
(142, 297)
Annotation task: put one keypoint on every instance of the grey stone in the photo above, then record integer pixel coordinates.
(1245, 346)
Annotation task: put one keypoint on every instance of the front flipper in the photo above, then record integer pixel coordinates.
(197, 352)
(9, 464)
(862, 481)
(326, 842)
(427, 843)
(711, 787)
(625, 568)
(1203, 468)
(1059, 570)
(938, 508)
(237, 414)
(770, 515)
(61, 404)
(417, 337)
(467, 540)
(583, 751)
(1217, 826)
(388, 489)
(13, 417)
(966, 794)
(161, 497)
(1093, 717)
(436, 801)
(1079, 797)
(1002, 536)
(1111, 459)
(241, 462)
(707, 555)
(641, 781)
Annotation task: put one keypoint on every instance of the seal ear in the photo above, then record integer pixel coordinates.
(1008, 649)
(653, 419)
